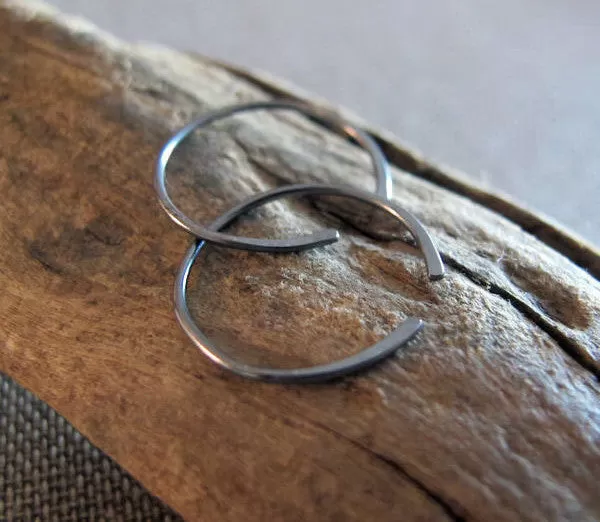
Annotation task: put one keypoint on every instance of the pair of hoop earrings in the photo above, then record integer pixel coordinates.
(212, 234)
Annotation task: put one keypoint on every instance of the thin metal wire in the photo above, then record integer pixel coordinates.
(323, 237)
(367, 357)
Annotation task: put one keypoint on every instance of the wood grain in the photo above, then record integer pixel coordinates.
(492, 414)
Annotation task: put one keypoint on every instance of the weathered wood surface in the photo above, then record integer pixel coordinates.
(493, 414)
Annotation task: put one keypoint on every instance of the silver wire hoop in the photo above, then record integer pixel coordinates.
(368, 356)
(209, 234)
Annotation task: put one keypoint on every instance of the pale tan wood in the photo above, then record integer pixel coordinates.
(493, 414)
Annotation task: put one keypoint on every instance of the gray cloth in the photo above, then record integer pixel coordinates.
(49, 471)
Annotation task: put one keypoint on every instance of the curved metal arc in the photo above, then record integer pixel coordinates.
(323, 237)
(365, 358)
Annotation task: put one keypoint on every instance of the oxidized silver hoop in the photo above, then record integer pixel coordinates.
(367, 357)
(323, 237)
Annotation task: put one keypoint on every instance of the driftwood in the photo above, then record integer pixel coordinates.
(492, 414)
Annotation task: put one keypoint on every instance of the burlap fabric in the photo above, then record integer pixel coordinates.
(49, 471)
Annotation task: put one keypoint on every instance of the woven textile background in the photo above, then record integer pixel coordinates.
(49, 471)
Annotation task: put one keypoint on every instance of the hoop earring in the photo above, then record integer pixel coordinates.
(323, 237)
(364, 359)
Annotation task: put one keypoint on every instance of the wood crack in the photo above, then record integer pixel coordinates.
(569, 346)
(450, 508)
(566, 344)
